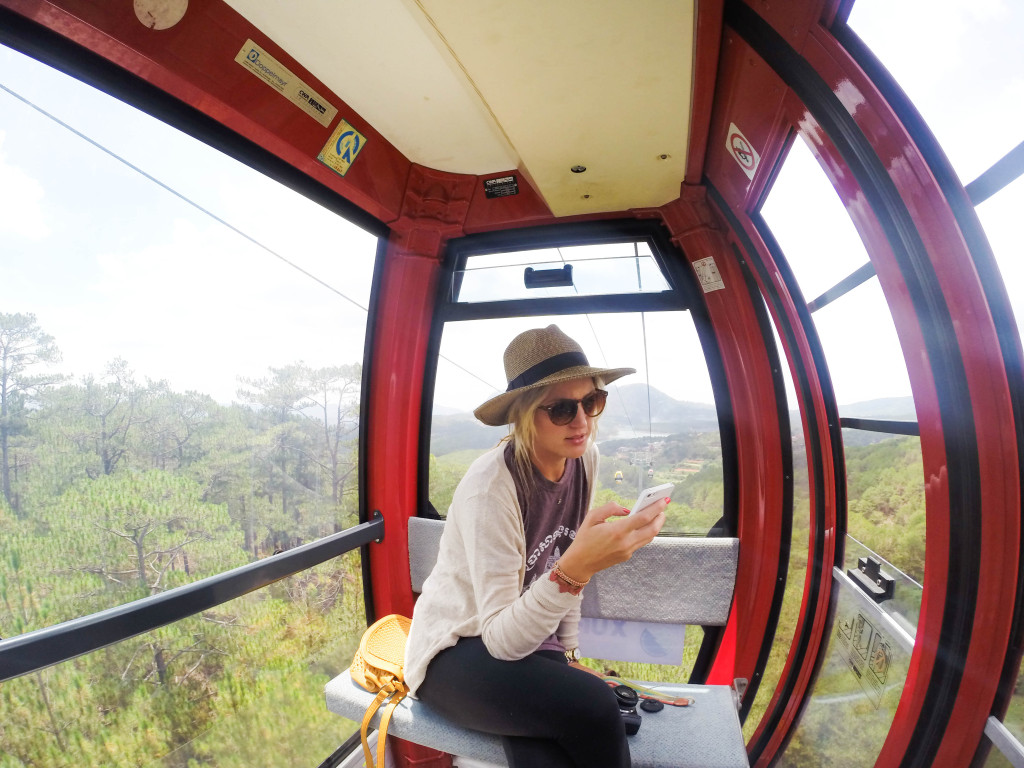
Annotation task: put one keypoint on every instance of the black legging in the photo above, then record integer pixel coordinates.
(547, 713)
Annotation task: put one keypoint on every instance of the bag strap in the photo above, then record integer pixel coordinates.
(650, 693)
(394, 691)
(370, 711)
(385, 720)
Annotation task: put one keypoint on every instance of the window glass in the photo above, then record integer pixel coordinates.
(595, 269)
(239, 686)
(808, 219)
(996, 759)
(969, 74)
(659, 425)
(1014, 720)
(998, 215)
(855, 695)
(885, 506)
(184, 340)
(961, 64)
(865, 360)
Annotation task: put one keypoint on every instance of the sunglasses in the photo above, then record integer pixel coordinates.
(562, 412)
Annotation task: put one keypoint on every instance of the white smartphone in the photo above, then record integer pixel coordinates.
(650, 495)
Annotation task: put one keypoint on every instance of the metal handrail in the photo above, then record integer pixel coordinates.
(42, 648)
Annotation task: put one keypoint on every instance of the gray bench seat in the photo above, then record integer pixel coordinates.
(705, 734)
(672, 581)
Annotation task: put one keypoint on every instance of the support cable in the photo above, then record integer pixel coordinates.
(597, 340)
(181, 196)
(643, 326)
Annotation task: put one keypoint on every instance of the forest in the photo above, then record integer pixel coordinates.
(116, 488)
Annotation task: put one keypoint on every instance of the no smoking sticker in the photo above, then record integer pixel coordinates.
(742, 150)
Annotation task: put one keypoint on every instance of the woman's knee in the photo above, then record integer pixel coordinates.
(594, 706)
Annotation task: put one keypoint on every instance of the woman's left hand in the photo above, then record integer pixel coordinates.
(600, 544)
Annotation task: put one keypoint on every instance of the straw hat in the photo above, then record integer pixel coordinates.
(536, 358)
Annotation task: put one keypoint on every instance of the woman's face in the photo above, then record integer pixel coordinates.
(552, 445)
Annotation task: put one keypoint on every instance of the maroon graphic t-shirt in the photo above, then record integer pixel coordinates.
(552, 512)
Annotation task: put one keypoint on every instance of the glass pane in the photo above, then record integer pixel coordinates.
(173, 410)
(240, 686)
(996, 759)
(998, 216)
(808, 219)
(960, 64)
(595, 269)
(885, 502)
(660, 424)
(904, 607)
(865, 360)
(1014, 720)
(857, 691)
(864, 356)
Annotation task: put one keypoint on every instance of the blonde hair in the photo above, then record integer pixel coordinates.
(523, 430)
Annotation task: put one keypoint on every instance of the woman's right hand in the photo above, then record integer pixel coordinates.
(601, 542)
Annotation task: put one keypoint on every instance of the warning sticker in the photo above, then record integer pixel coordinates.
(868, 651)
(708, 274)
(742, 150)
(341, 149)
(281, 79)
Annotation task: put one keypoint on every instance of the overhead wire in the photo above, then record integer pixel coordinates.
(203, 209)
(643, 326)
(600, 348)
(180, 195)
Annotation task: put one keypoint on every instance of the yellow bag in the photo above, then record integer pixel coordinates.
(378, 667)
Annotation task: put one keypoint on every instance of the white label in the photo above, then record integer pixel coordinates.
(868, 651)
(742, 150)
(708, 274)
(281, 79)
(644, 642)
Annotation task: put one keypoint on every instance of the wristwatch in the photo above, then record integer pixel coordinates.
(572, 654)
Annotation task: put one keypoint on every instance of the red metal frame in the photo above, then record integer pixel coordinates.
(977, 339)
(752, 94)
(699, 232)
(194, 63)
(751, 97)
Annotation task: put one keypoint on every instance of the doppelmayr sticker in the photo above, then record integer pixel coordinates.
(284, 81)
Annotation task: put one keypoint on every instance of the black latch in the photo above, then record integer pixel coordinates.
(870, 577)
(548, 278)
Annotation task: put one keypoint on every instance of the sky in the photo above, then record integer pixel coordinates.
(114, 265)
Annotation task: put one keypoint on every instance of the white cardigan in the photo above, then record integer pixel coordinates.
(476, 587)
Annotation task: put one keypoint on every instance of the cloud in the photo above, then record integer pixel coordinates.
(21, 197)
(199, 306)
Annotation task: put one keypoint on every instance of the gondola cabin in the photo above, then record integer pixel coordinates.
(260, 260)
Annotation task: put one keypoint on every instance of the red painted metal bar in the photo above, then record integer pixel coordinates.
(977, 339)
(699, 231)
(751, 98)
(433, 210)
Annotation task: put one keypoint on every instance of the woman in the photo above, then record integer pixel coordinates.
(493, 643)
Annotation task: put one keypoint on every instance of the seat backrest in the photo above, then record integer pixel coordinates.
(673, 580)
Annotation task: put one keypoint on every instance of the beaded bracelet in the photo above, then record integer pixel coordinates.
(565, 584)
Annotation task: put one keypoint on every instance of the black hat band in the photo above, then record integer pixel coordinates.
(547, 367)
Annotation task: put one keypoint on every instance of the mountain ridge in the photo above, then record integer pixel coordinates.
(626, 414)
